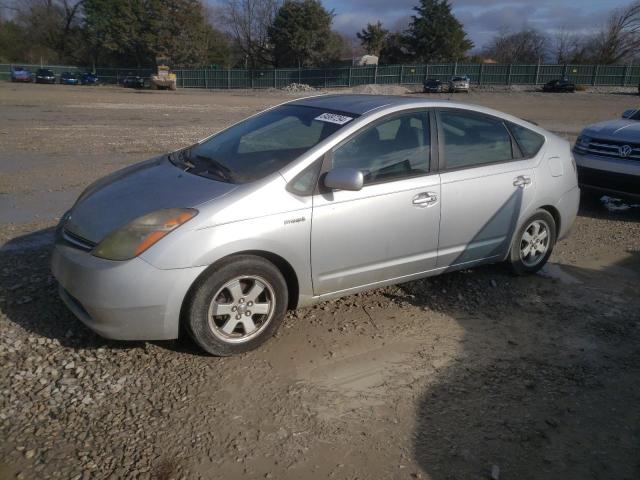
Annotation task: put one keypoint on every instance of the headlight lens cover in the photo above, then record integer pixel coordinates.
(583, 141)
(143, 232)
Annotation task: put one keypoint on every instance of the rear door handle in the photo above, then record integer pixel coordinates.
(425, 199)
(521, 181)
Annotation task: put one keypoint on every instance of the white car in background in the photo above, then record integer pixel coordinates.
(608, 156)
(459, 84)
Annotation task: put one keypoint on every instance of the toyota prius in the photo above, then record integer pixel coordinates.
(314, 199)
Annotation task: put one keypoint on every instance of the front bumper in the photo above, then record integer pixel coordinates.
(129, 300)
(608, 175)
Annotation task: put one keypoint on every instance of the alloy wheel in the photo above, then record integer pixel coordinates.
(241, 309)
(534, 243)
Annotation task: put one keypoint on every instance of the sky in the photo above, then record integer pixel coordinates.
(482, 19)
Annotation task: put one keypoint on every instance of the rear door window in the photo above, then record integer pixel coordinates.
(471, 139)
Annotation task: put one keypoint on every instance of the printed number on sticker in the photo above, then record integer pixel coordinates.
(333, 118)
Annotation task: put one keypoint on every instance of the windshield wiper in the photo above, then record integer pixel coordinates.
(182, 158)
(220, 169)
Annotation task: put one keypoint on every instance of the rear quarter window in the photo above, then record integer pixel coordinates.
(529, 141)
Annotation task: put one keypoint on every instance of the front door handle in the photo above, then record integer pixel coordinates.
(425, 199)
(521, 181)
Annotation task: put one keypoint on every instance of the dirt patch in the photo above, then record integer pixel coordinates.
(381, 89)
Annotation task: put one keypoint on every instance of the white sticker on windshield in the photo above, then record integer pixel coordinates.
(334, 118)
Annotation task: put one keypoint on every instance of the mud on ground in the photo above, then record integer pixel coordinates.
(445, 378)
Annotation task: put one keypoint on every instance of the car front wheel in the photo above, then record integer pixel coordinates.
(533, 244)
(237, 306)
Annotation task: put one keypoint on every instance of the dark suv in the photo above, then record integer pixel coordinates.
(562, 85)
(44, 75)
(432, 85)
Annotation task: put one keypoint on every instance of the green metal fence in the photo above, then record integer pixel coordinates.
(480, 74)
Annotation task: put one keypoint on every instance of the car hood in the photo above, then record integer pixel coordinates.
(623, 130)
(127, 194)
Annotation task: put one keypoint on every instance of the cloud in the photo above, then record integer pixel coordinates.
(482, 19)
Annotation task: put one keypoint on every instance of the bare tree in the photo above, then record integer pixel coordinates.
(50, 22)
(526, 46)
(8, 5)
(619, 39)
(573, 48)
(565, 42)
(248, 21)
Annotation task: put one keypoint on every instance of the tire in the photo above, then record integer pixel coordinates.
(523, 263)
(239, 330)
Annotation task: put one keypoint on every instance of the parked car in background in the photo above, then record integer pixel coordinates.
(432, 85)
(132, 81)
(561, 85)
(44, 75)
(217, 237)
(20, 74)
(88, 78)
(608, 156)
(69, 78)
(459, 84)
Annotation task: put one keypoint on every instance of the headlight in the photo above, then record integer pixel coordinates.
(583, 141)
(143, 232)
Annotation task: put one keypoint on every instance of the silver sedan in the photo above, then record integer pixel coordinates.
(310, 200)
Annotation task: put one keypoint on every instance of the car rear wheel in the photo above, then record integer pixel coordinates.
(237, 306)
(533, 244)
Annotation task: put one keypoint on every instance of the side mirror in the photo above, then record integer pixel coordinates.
(629, 113)
(344, 179)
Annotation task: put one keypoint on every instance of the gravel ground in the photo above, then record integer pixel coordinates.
(469, 375)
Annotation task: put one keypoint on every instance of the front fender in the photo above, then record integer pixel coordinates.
(287, 235)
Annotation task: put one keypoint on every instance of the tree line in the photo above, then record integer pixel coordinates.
(279, 33)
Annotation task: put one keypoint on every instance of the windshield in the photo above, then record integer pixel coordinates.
(459, 79)
(261, 145)
(636, 115)
(45, 72)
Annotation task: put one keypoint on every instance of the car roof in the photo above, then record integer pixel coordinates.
(363, 104)
(358, 104)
